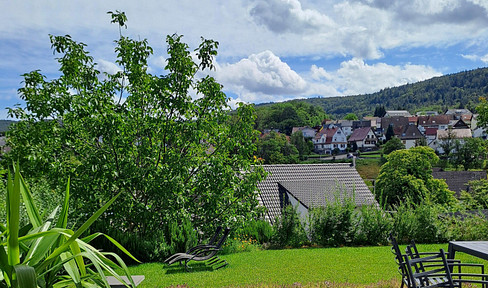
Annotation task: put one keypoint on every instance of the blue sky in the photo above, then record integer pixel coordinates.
(272, 50)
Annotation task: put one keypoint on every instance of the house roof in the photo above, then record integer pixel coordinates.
(311, 185)
(296, 129)
(458, 180)
(396, 121)
(359, 134)
(458, 111)
(456, 133)
(328, 132)
(411, 132)
(434, 120)
(431, 131)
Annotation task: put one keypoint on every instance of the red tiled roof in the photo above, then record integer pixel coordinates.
(430, 131)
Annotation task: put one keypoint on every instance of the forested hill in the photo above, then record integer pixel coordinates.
(460, 90)
(4, 125)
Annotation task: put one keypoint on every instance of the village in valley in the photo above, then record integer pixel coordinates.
(430, 128)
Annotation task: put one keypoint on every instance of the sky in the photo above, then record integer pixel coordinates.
(270, 51)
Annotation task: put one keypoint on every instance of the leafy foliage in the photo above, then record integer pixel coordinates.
(289, 229)
(392, 145)
(303, 145)
(45, 252)
(470, 154)
(333, 224)
(172, 158)
(477, 196)
(275, 149)
(285, 116)
(407, 175)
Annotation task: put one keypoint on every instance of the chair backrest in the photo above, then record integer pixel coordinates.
(214, 237)
(413, 252)
(435, 277)
(399, 259)
(223, 238)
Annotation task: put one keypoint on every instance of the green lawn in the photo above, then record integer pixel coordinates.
(313, 267)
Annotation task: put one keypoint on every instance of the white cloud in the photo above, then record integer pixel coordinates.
(260, 75)
(283, 16)
(264, 77)
(357, 77)
(473, 57)
(108, 67)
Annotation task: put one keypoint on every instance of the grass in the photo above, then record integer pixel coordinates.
(368, 168)
(312, 267)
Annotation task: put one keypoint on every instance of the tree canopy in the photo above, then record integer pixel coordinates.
(274, 148)
(174, 157)
(407, 176)
(285, 116)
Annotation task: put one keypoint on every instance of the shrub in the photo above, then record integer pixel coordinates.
(45, 253)
(373, 226)
(260, 231)
(419, 222)
(467, 227)
(289, 230)
(333, 225)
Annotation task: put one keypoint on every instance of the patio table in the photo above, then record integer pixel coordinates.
(476, 248)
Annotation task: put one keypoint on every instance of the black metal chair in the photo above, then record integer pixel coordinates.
(199, 246)
(419, 276)
(434, 271)
(399, 259)
(413, 252)
(207, 253)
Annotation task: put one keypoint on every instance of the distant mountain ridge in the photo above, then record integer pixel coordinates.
(5, 124)
(459, 90)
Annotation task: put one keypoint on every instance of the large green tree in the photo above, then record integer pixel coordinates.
(392, 145)
(274, 148)
(470, 154)
(285, 116)
(174, 157)
(407, 176)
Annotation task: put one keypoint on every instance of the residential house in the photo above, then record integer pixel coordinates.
(458, 124)
(441, 122)
(361, 124)
(410, 136)
(363, 138)
(346, 125)
(328, 139)
(375, 121)
(458, 113)
(398, 123)
(427, 113)
(449, 135)
(430, 135)
(307, 132)
(396, 113)
(310, 185)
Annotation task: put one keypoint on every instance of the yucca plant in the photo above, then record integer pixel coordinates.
(45, 253)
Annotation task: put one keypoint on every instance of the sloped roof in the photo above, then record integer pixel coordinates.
(458, 180)
(431, 131)
(411, 132)
(396, 121)
(329, 132)
(456, 133)
(311, 184)
(359, 134)
(434, 120)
